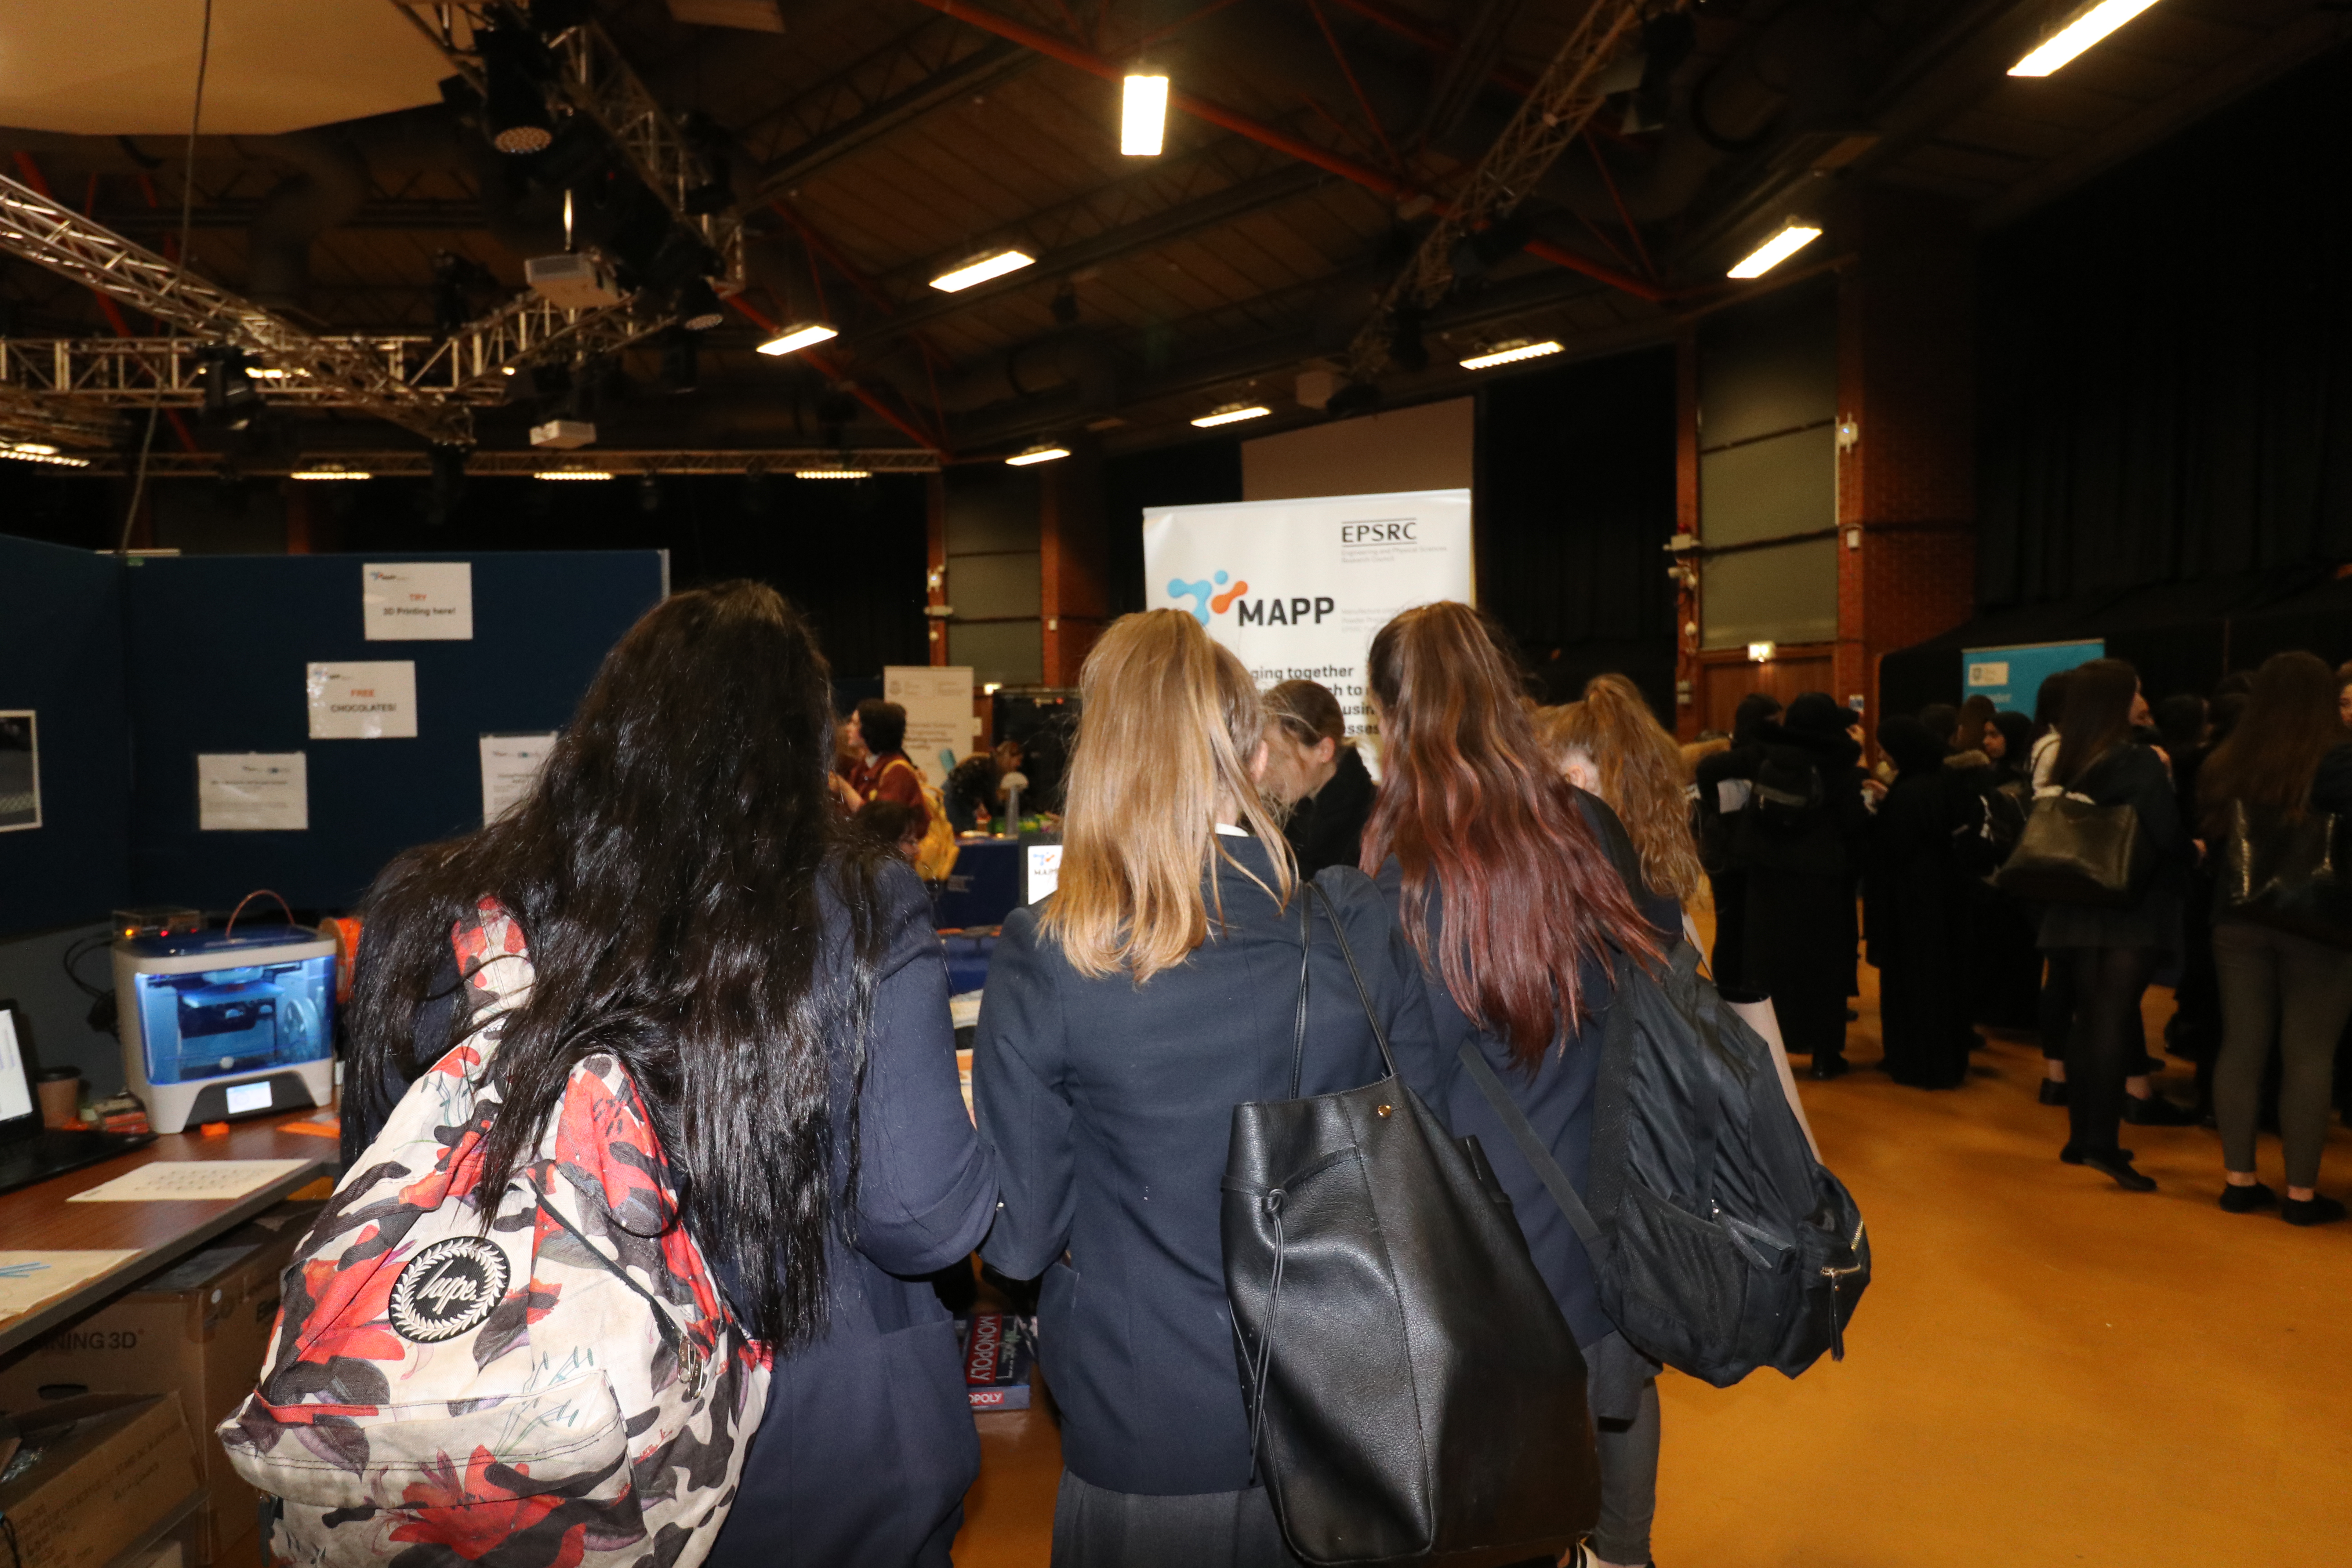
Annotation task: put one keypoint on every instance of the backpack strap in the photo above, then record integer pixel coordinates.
(1298, 1039)
(1531, 1149)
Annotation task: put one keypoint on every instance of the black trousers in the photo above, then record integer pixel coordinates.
(2104, 1046)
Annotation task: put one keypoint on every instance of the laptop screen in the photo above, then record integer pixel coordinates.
(15, 1084)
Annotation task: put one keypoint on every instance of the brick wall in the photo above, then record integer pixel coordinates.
(1907, 388)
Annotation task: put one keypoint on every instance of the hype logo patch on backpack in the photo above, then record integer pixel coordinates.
(545, 1377)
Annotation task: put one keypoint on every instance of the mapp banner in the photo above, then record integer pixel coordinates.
(1296, 588)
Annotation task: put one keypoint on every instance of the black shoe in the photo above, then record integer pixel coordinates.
(2236, 1199)
(2116, 1166)
(2053, 1091)
(2154, 1111)
(2315, 1210)
(1852, 1017)
(2070, 1155)
(1826, 1067)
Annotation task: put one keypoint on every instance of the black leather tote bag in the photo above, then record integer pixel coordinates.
(2290, 875)
(2072, 852)
(1414, 1395)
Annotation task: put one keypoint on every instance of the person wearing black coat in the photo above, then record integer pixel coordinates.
(1917, 902)
(2008, 967)
(1802, 836)
(1717, 822)
(867, 1447)
(1312, 767)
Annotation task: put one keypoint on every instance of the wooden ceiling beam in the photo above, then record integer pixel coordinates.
(982, 69)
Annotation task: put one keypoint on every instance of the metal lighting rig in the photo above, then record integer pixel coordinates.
(1554, 114)
(831, 462)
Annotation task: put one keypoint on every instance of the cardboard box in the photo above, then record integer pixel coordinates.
(199, 1330)
(1000, 1350)
(95, 1477)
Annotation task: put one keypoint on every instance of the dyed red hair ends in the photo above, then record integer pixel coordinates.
(1469, 800)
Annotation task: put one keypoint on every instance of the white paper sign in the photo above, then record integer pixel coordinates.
(418, 601)
(191, 1180)
(253, 792)
(1296, 588)
(938, 701)
(366, 701)
(510, 765)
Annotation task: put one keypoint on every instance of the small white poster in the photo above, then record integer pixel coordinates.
(366, 701)
(1297, 588)
(938, 701)
(418, 601)
(510, 765)
(20, 771)
(253, 792)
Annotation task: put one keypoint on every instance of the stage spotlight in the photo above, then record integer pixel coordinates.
(699, 309)
(231, 400)
(513, 104)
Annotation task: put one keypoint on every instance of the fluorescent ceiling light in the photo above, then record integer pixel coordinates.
(330, 473)
(267, 372)
(800, 335)
(1143, 116)
(981, 268)
(572, 474)
(1229, 414)
(2086, 27)
(40, 452)
(1792, 239)
(1509, 353)
(832, 473)
(1036, 455)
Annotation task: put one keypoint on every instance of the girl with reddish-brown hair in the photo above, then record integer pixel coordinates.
(1501, 874)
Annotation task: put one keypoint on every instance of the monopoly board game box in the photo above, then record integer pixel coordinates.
(1000, 1350)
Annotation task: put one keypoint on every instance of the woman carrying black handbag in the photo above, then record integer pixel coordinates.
(2288, 761)
(2112, 951)
(1497, 869)
(1126, 1017)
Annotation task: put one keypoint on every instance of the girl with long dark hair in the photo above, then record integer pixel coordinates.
(2290, 757)
(1157, 989)
(2112, 953)
(1500, 872)
(694, 906)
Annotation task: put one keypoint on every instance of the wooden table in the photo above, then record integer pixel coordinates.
(39, 1218)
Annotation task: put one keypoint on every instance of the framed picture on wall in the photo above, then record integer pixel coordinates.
(20, 770)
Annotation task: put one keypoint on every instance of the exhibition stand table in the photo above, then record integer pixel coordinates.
(144, 1234)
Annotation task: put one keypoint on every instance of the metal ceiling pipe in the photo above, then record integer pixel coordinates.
(328, 185)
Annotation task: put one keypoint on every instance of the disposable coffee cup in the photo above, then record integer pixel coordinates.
(60, 1092)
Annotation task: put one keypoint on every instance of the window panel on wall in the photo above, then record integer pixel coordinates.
(1009, 653)
(1786, 594)
(989, 587)
(1769, 489)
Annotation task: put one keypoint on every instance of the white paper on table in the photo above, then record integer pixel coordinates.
(203, 1180)
(250, 792)
(29, 1279)
(510, 765)
(417, 601)
(367, 701)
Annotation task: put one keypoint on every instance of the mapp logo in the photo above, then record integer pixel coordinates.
(1277, 613)
(1386, 530)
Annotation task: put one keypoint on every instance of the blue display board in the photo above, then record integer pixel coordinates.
(61, 660)
(2012, 676)
(218, 648)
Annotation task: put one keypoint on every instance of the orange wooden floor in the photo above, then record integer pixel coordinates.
(2048, 1371)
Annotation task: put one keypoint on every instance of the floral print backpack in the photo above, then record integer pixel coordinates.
(563, 1388)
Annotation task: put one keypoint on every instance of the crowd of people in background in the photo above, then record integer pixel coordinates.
(1792, 825)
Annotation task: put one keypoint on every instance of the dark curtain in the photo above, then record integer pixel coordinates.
(1197, 473)
(2167, 360)
(1575, 504)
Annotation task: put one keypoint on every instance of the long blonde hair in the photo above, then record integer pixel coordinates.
(1168, 726)
(1643, 776)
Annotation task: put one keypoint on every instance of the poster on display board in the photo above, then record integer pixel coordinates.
(419, 601)
(20, 771)
(939, 721)
(1297, 588)
(2012, 676)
